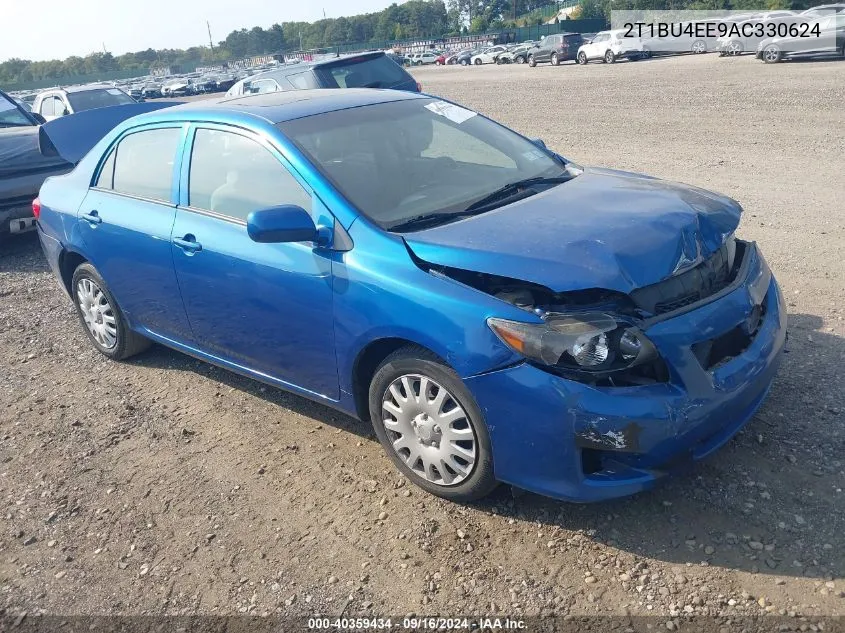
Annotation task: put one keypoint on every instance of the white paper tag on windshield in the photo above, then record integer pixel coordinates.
(114, 91)
(451, 111)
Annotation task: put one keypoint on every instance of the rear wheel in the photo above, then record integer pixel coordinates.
(531, 61)
(735, 48)
(464, 62)
(582, 58)
(555, 59)
(519, 59)
(101, 317)
(609, 57)
(477, 62)
(430, 426)
(698, 47)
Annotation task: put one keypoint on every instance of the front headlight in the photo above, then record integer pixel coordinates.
(591, 342)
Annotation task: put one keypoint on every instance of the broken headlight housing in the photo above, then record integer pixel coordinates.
(590, 342)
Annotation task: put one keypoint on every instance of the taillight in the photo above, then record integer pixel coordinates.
(36, 208)
(419, 87)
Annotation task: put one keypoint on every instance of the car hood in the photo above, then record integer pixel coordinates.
(603, 229)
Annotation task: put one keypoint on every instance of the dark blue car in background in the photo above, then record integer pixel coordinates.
(499, 313)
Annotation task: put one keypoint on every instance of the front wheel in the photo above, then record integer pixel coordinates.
(101, 317)
(735, 48)
(555, 59)
(609, 57)
(771, 54)
(464, 62)
(519, 59)
(698, 47)
(582, 58)
(531, 61)
(430, 426)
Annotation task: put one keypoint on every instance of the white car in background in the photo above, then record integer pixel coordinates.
(488, 55)
(424, 58)
(609, 46)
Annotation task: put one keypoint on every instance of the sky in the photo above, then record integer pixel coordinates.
(55, 29)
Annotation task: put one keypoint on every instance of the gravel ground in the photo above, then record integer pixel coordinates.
(165, 485)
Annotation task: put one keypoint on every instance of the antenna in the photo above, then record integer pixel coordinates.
(210, 40)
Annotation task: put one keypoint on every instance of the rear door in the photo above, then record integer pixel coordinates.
(125, 222)
(266, 307)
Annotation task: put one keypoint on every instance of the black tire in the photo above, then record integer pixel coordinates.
(531, 61)
(519, 59)
(772, 54)
(464, 62)
(477, 62)
(842, 50)
(582, 58)
(646, 53)
(416, 360)
(609, 57)
(128, 343)
(698, 47)
(554, 59)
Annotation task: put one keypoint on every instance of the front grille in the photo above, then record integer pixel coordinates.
(695, 284)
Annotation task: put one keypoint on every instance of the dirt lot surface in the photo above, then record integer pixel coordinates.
(164, 485)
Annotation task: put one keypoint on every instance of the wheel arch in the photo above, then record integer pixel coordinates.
(367, 362)
(69, 261)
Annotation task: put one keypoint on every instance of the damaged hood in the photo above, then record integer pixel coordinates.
(603, 229)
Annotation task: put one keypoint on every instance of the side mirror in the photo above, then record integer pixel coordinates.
(288, 223)
(65, 112)
(539, 143)
(38, 117)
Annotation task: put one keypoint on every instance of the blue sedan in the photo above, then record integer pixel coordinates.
(498, 312)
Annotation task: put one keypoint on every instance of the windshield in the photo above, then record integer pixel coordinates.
(97, 98)
(405, 159)
(10, 116)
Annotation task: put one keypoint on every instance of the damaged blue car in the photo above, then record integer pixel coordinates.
(498, 312)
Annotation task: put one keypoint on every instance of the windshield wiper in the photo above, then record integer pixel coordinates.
(511, 192)
(512, 189)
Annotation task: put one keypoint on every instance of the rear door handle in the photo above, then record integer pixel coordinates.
(188, 243)
(92, 217)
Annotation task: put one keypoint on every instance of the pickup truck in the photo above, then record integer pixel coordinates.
(23, 168)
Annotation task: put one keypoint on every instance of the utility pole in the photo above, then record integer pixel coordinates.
(210, 40)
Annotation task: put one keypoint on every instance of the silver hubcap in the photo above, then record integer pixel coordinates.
(429, 430)
(97, 313)
(771, 54)
(734, 48)
(698, 47)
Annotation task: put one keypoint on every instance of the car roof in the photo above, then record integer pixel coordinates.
(277, 107)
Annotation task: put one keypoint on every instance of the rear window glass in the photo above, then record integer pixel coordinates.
(144, 163)
(99, 98)
(374, 72)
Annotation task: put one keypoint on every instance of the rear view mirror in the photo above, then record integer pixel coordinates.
(288, 223)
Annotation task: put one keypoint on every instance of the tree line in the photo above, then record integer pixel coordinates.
(414, 19)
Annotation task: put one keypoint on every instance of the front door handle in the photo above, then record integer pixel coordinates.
(188, 243)
(92, 217)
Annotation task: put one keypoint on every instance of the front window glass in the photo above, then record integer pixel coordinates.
(234, 175)
(400, 160)
(98, 98)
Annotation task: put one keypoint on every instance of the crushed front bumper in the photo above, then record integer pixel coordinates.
(583, 443)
